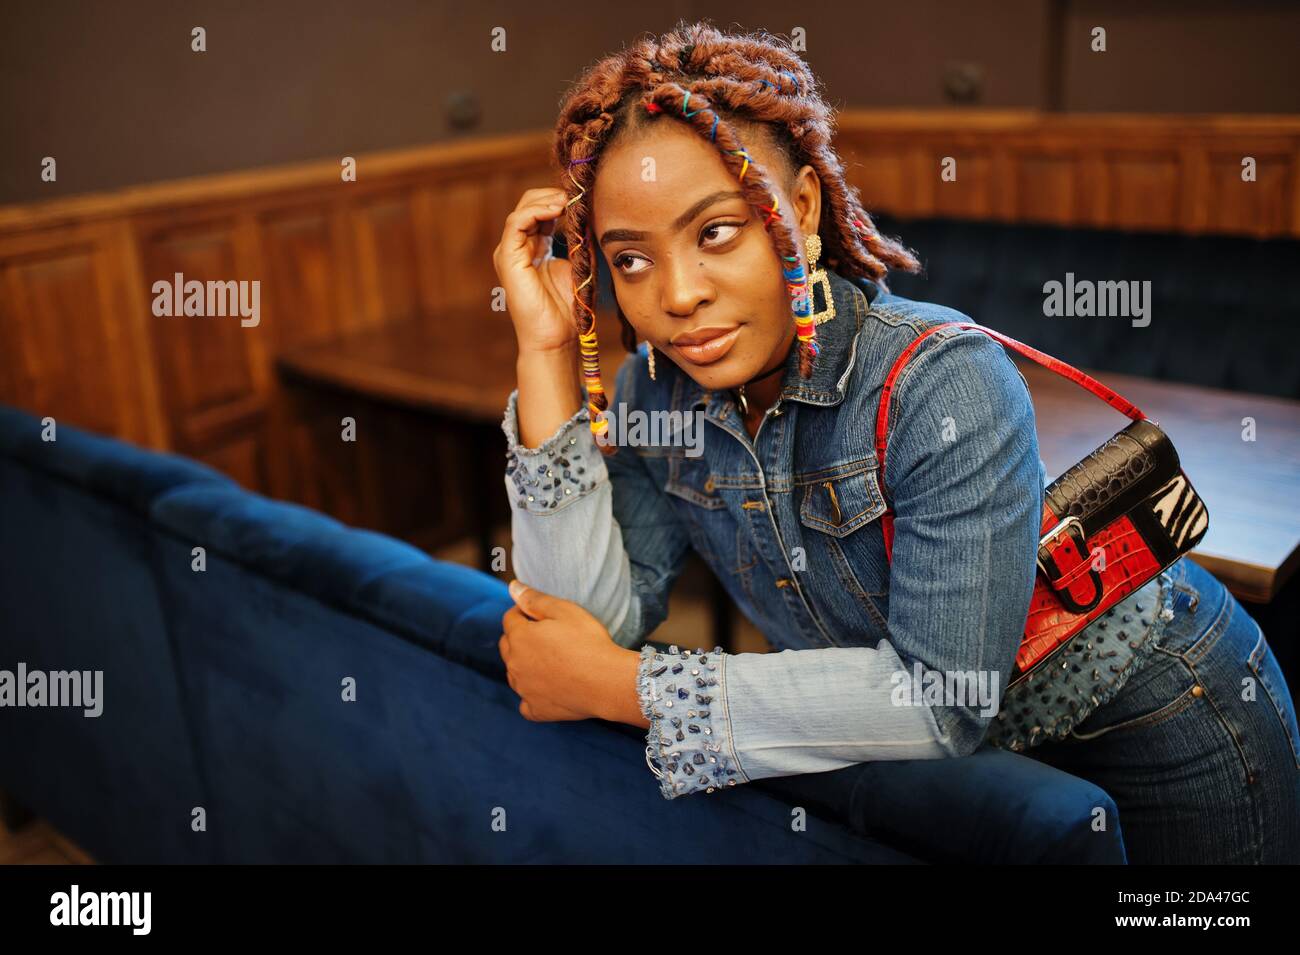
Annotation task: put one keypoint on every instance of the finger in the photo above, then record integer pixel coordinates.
(536, 603)
(538, 194)
(547, 245)
(557, 277)
(525, 710)
(523, 227)
(503, 647)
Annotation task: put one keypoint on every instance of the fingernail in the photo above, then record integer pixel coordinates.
(516, 589)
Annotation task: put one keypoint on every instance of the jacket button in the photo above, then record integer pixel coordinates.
(783, 582)
(708, 485)
(1197, 690)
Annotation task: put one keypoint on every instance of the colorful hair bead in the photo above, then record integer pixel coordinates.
(588, 346)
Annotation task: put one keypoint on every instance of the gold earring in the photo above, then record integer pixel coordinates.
(813, 246)
(651, 349)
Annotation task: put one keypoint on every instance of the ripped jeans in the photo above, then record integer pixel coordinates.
(1201, 751)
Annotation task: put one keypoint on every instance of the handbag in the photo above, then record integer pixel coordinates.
(1110, 524)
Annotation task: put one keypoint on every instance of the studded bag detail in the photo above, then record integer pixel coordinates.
(1110, 524)
(1086, 673)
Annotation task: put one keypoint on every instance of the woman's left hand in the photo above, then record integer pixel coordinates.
(562, 662)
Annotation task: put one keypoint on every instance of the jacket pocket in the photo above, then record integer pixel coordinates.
(846, 554)
(839, 500)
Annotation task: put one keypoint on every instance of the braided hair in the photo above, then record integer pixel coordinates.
(717, 84)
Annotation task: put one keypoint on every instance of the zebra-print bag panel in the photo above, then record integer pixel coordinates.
(1181, 512)
(1173, 520)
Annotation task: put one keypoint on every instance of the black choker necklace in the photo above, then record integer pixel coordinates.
(741, 402)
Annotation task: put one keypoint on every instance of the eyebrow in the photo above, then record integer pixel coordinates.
(683, 220)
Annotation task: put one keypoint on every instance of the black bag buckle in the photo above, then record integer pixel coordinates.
(1047, 564)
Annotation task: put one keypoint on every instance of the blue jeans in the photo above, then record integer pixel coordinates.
(1200, 751)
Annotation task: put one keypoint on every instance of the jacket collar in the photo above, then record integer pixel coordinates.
(838, 340)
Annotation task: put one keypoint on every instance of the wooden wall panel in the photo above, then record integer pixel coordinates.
(1252, 208)
(973, 193)
(384, 232)
(63, 349)
(415, 236)
(1143, 192)
(207, 364)
(1046, 188)
(305, 297)
(1162, 173)
(465, 210)
(882, 177)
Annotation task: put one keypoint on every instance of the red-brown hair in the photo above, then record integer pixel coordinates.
(751, 80)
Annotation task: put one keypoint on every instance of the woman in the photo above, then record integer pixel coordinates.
(701, 172)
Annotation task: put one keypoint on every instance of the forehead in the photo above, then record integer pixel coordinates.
(658, 171)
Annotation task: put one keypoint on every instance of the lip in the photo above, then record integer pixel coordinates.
(707, 350)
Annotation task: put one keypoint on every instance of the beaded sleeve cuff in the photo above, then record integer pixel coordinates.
(688, 744)
(560, 470)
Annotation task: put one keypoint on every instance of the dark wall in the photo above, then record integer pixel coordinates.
(113, 92)
(1194, 56)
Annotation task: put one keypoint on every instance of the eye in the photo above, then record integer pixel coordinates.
(626, 257)
(735, 226)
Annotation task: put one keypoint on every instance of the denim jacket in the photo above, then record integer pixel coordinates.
(790, 524)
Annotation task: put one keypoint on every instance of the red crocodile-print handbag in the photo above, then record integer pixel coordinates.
(1110, 523)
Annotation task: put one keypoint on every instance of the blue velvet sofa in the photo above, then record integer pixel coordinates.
(225, 737)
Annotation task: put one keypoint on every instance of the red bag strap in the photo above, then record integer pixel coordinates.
(1112, 398)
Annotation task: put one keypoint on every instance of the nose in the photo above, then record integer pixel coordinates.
(685, 285)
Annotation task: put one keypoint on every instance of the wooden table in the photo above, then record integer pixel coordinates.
(431, 365)
(1250, 488)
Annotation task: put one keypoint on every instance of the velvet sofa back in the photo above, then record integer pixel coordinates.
(1222, 310)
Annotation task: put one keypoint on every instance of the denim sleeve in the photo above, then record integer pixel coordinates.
(590, 529)
(962, 453)
(966, 483)
(721, 719)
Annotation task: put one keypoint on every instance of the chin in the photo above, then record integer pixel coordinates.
(725, 373)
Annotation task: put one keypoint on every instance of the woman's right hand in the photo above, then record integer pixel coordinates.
(538, 296)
